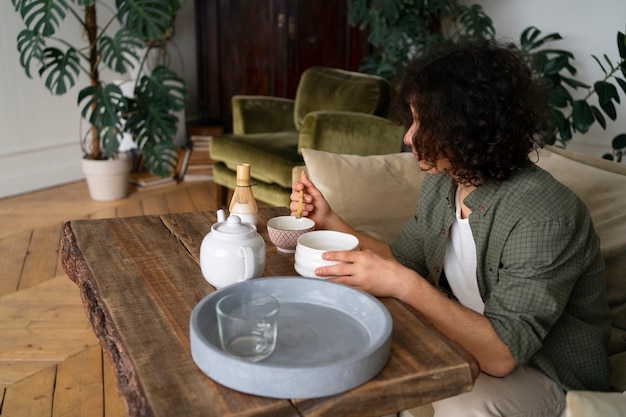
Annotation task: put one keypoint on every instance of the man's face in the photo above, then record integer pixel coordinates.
(441, 165)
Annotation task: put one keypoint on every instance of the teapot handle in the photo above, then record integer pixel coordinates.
(247, 254)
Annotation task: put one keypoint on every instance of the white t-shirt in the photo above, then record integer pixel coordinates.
(460, 263)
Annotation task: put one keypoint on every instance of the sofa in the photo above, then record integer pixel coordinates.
(334, 110)
(377, 194)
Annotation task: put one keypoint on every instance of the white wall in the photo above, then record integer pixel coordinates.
(588, 27)
(39, 132)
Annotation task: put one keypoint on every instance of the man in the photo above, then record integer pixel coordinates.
(499, 256)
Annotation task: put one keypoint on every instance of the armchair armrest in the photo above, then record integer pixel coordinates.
(349, 133)
(260, 114)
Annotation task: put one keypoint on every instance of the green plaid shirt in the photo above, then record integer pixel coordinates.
(539, 270)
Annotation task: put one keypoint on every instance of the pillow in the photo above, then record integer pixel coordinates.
(322, 88)
(600, 185)
(595, 404)
(375, 194)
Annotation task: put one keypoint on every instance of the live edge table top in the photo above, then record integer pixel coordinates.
(139, 279)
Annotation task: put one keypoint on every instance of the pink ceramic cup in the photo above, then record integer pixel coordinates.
(284, 231)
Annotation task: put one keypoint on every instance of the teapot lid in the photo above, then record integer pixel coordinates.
(234, 226)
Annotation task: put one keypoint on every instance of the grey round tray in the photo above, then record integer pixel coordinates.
(331, 338)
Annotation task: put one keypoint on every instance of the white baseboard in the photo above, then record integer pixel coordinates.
(31, 170)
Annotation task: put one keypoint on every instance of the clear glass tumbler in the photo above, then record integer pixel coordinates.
(248, 324)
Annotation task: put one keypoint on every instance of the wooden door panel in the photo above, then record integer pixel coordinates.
(261, 47)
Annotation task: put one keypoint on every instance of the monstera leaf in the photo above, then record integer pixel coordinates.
(104, 107)
(62, 69)
(150, 117)
(147, 19)
(119, 52)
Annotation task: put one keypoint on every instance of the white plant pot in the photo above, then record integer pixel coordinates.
(108, 179)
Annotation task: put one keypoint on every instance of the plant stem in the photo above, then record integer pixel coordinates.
(592, 90)
(91, 25)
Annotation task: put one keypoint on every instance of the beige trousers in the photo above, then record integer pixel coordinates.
(525, 392)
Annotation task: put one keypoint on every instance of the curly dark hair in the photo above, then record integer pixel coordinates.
(477, 105)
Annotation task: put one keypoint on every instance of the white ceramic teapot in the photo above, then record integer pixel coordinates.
(231, 252)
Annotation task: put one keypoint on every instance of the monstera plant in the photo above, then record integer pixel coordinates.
(401, 30)
(119, 44)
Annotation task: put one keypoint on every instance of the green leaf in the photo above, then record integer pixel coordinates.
(62, 69)
(561, 124)
(529, 39)
(619, 142)
(599, 63)
(150, 117)
(30, 46)
(559, 96)
(358, 10)
(119, 53)
(574, 83)
(555, 65)
(599, 116)
(44, 16)
(163, 86)
(104, 107)
(606, 92)
(609, 109)
(566, 132)
(582, 116)
(621, 83)
(147, 19)
(18, 5)
(529, 35)
(476, 23)
(621, 45)
(161, 159)
(110, 139)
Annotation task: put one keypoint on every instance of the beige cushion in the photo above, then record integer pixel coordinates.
(602, 186)
(595, 404)
(375, 194)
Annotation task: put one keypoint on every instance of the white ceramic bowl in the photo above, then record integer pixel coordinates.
(312, 245)
(284, 231)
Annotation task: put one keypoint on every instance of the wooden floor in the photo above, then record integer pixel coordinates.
(50, 361)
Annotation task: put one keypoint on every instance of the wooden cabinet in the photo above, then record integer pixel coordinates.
(261, 47)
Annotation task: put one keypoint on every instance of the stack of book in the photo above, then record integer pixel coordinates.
(194, 161)
(200, 162)
(141, 178)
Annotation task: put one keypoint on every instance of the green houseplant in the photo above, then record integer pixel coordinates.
(570, 113)
(400, 30)
(122, 43)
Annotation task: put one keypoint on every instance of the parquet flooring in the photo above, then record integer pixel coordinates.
(50, 360)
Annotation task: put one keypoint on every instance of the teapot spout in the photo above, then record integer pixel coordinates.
(221, 215)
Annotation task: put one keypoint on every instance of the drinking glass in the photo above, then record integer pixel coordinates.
(248, 324)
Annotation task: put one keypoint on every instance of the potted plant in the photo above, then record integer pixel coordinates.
(123, 44)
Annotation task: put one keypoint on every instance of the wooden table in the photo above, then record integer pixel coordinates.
(140, 278)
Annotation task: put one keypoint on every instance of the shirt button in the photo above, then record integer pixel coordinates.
(481, 208)
(443, 231)
(436, 269)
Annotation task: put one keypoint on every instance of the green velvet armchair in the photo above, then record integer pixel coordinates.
(334, 111)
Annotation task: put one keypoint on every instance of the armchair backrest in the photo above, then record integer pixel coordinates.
(322, 88)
